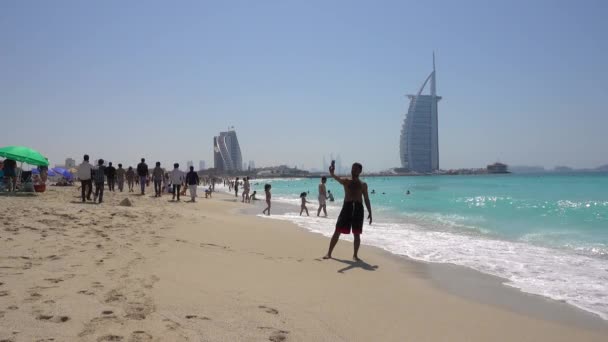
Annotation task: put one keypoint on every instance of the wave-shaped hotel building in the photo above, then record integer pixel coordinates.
(227, 152)
(419, 146)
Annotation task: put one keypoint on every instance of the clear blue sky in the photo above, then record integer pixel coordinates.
(523, 82)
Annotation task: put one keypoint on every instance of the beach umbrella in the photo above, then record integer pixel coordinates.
(61, 171)
(49, 173)
(24, 154)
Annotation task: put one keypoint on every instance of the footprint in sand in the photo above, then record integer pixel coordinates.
(138, 311)
(54, 319)
(196, 317)
(269, 310)
(54, 280)
(110, 338)
(140, 336)
(276, 335)
(86, 292)
(114, 296)
(4, 293)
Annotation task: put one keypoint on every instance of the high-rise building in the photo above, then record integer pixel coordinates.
(201, 165)
(188, 164)
(70, 163)
(419, 148)
(227, 152)
(251, 165)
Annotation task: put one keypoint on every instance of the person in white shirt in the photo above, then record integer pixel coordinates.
(177, 178)
(84, 174)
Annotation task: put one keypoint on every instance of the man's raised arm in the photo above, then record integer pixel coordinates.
(332, 168)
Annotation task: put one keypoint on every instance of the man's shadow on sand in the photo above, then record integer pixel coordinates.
(355, 264)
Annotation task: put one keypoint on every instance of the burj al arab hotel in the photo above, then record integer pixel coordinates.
(419, 147)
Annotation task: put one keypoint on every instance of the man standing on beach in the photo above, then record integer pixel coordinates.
(177, 177)
(111, 173)
(322, 197)
(143, 173)
(157, 176)
(84, 174)
(352, 214)
(130, 174)
(120, 177)
(236, 187)
(192, 181)
(100, 174)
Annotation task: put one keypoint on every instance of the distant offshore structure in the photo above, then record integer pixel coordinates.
(419, 147)
(227, 152)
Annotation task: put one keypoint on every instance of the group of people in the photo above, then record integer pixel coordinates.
(350, 219)
(97, 175)
(324, 196)
(351, 216)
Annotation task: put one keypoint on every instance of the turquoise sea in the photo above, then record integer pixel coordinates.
(546, 234)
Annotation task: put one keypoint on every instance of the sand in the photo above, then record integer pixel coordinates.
(165, 271)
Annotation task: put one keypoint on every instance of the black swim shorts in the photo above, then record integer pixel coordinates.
(351, 217)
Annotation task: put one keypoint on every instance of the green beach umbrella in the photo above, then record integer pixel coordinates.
(24, 154)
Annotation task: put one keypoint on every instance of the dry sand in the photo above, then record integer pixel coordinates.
(164, 271)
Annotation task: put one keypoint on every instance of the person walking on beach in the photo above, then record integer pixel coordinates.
(130, 178)
(84, 174)
(100, 174)
(111, 173)
(120, 177)
(322, 197)
(177, 177)
(157, 177)
(143, 174)
(303, 204)
(267, 188)
(351, 216)
(236, 187)
(192, 181)
(246, 188)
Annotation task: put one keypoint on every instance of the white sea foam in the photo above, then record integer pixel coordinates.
(558, 274)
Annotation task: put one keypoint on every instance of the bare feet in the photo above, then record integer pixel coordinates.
(356, 258)
(327, 257)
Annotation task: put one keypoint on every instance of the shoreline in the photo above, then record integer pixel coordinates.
(471, 284)
(166, 271)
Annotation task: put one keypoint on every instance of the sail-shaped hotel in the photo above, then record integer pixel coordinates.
(419, 146)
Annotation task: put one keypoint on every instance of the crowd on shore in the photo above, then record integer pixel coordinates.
(174, 182)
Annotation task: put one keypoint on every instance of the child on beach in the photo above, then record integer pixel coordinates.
(303, 204)
(268, 196)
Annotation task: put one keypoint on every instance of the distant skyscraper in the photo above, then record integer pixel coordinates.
(70, 163)
(419, 148)
(201, 165)
(251, 165)
(227, 152)
(188, 164)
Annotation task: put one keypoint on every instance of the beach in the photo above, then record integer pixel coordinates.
(211, 271)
